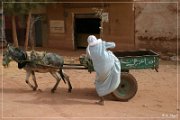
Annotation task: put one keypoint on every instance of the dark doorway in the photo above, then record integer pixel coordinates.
(88, 25)
(85, 26)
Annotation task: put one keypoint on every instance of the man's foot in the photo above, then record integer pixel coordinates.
(101, 101)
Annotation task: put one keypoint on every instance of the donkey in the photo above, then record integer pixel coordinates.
(35, 62)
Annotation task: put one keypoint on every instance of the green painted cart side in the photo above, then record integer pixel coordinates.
(138, 59)
(130, 60)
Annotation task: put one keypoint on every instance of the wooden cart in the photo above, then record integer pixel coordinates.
(144, 59)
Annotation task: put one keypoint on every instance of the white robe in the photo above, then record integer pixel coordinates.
(107, 67)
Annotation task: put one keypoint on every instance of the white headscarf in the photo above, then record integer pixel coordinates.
(92, 41)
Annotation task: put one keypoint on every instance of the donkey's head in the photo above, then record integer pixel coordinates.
(6, 59)
(13, 53)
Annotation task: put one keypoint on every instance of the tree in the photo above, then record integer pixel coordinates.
(21, 7)
(10, 9)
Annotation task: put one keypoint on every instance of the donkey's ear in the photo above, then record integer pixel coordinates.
(25, 54)
(8, 44)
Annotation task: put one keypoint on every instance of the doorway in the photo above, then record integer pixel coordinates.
(85, 25)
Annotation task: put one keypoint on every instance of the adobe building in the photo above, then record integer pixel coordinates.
(131, 25)
(69, 24)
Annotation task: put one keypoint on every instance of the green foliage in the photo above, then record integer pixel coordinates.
(18, 7)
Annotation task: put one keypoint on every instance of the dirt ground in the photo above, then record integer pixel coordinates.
(156, 98)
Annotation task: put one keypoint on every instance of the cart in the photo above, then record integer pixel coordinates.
(142, 59)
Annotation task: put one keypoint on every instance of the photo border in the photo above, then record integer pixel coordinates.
(177, 3)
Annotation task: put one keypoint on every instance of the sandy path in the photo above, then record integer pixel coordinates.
(156, 97)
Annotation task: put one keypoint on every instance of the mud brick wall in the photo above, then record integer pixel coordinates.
(156, 26)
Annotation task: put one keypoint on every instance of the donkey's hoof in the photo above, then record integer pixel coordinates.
(53, 90)
(34, 88)
(69, 90)
(39, 90)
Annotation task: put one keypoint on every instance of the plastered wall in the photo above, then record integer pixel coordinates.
(156, 26)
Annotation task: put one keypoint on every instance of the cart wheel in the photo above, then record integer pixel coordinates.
(127, 88)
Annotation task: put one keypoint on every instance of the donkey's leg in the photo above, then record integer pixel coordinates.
(69, 83)
(34, 79)
(54, 74)
(28, 73)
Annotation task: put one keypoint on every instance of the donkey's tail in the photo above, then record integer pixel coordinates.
(62, 75)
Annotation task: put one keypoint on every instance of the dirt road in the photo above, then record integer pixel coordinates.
(156, 98)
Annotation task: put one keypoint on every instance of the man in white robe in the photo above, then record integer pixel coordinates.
(106, 65)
